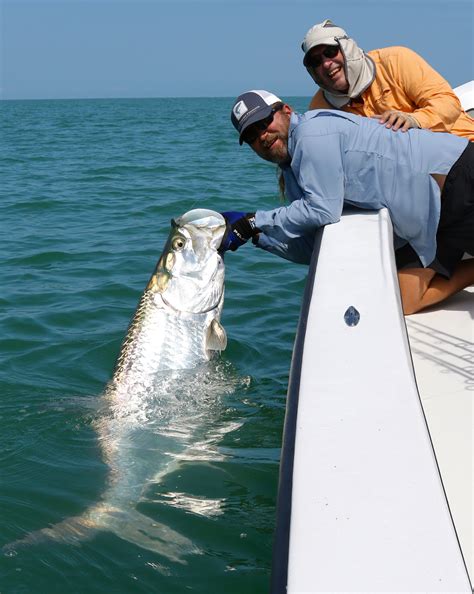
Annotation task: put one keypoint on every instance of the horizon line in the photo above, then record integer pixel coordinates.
(129, 98)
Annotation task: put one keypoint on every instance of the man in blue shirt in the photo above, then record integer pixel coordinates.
(332, 158)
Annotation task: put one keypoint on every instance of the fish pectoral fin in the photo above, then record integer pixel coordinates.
(216, 338)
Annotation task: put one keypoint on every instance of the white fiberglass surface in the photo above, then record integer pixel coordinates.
(369, 512)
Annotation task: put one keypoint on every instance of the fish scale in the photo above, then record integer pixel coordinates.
(161, 340)
(174, 330)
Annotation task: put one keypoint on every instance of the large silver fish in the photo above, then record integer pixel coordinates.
(176, 324)
(160, 396)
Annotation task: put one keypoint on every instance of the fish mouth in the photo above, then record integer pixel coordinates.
(205, 292)
(198, 217)
(189, 276)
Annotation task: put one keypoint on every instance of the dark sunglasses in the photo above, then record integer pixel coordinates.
(253, 132)
(314, 61)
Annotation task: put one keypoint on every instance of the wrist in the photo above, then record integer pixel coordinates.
(244, 228)
(251, 219)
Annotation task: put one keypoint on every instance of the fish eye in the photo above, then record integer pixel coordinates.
(178, 243)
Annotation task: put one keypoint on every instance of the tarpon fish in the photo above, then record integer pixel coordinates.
(176, 324)
(155, 406)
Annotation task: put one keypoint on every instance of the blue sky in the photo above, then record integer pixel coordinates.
(202, 48)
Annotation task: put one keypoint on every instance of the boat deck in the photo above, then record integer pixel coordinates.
(442, 347)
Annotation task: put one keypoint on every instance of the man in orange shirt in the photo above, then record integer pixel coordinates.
(396, 86)
(393, 84)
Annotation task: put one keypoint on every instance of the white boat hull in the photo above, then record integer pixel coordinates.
(376, 481)
(362, 505)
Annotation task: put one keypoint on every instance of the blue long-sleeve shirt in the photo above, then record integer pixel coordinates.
(339, 158)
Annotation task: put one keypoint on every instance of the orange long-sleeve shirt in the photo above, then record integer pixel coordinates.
(404, 81)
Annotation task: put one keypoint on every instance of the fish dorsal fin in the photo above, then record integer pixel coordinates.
(216, 338)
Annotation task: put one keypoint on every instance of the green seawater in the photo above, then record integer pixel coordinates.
(88, 189)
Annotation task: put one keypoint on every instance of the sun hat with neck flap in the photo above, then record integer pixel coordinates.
(325, 33)
(358, 66)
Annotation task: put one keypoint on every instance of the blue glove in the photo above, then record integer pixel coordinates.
(240, 227)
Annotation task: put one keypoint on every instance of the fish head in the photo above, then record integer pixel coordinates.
(190, 273)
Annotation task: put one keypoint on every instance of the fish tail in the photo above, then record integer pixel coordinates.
(146, 533)
(128, 524)
(71, 531)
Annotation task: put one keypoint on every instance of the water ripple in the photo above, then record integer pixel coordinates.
(88, 192)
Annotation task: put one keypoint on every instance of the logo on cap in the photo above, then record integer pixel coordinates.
(240, 109)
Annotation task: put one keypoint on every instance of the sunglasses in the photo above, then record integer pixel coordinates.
(315, 60)
(253, 132)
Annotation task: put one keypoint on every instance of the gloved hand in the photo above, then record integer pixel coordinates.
(240, 227)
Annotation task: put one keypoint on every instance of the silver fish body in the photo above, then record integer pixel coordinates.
(153, 409)
(176, 324)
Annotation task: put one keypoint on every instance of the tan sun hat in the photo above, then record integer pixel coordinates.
(325, 33)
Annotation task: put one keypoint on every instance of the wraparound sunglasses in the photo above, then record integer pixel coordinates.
(314, 61)
(253, 132)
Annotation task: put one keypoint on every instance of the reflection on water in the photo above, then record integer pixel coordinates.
(143, 438)
(87, 210)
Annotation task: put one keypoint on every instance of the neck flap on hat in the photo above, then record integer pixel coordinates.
(360, 73)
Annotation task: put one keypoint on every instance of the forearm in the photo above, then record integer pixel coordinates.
(298, 251)
(439, 113)
(299, 218)
(436, 105)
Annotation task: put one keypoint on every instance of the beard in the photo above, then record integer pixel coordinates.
(275, 149)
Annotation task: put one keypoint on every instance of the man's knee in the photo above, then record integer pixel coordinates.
(414, 282)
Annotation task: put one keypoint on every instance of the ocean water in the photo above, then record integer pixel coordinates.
(88, 189)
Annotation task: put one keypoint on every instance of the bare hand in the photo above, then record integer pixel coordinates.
(397, 120)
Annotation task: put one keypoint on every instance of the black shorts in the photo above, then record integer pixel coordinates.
(455, 235)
